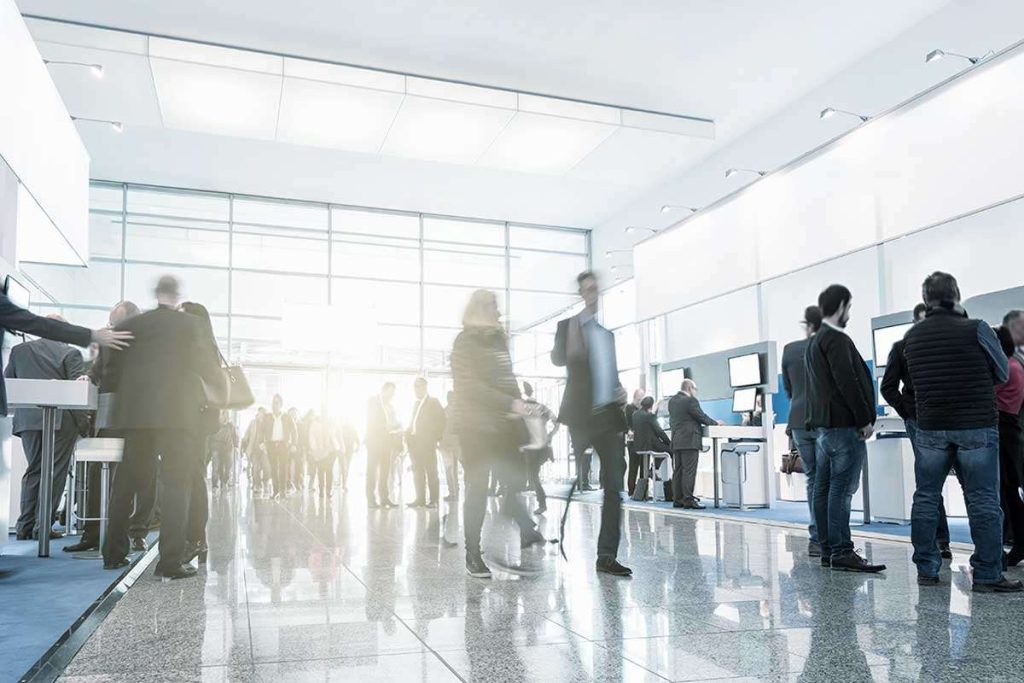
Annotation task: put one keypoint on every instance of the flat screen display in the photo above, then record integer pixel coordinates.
(745, 371)
(884, 338)
(16, 292)
(743, 400)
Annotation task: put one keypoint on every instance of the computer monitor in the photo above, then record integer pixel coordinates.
(16, 292)
(744, 400)
(884, 338)
(745, 371)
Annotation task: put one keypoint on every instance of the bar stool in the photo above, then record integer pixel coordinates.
(740, 451)
(647, 467)
(104, 451)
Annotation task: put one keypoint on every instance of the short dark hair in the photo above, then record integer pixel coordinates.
(168, 285)
(585, 275)
(919, 311)
(528, 389)
(812, 318)
(832, 298)
(1012, 315)
(647, 403)
(1005, 340)
(940, 288)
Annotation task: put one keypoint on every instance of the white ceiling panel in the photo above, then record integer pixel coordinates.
(437, 130)
(86, 36)
(215, 56)
(635, 157)
(337, 116)
(534, 143)
(343, 75)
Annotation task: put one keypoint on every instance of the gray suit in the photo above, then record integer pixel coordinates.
(44, 359)
(686, 421)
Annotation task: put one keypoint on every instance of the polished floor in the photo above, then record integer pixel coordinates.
(300, 590)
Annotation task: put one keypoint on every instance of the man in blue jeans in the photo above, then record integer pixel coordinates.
(841, 407)
(954, 364)
(794, 381)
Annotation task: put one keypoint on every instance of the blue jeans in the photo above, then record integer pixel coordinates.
(840, 458)
(805, 440)
(942, 531)
(975, 454)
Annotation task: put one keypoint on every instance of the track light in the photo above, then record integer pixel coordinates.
(633, 228)
(669, 208)
(116, 125)
(936, 55)
(829, 112)
(733, 171)
(95, 69)
(610, 252)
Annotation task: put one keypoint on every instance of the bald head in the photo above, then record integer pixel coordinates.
(168, 290)
(689, 387)
(121, 312)
(638, 396)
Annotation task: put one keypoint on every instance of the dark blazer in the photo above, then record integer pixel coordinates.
(840, 392)
(483, 382)
(428, 428)
(377, 433)
(686, 421)
(648, 434)
(16, 318)
(158, 379)
(288, 428)
(577, 409)
(44, 359)
(794, 381)
(901, 399)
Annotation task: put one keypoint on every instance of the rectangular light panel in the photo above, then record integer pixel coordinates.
(437, 130)
(534, 143)
(337, 116)
(212, 55)
(343, 75)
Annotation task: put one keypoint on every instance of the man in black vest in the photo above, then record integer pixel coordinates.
(794, 381)
(841, 406)
(954, 364)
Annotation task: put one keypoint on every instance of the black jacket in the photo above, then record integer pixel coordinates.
(840, 392)
(794, 381)
(426, 428)
(157, 380)
(577, 408)
(902, 399)
(686, 421)
(45, 359)
(16, 318)
(648, 434)
(483, 381)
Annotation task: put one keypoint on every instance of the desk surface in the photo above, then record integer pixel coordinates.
(56, 393)
(734, 432)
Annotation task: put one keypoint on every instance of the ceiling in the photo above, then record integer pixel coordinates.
(734, 62)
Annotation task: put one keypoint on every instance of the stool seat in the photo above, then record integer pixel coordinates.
(99, 450)
(741, 448)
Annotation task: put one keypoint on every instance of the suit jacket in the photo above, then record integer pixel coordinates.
(380, 426)
(289, 429)
(840, 391)
(13, 317)
(794, 381)
(158, 379)
(44, 359)
(686, 421)
(577, 409)
(427, 427)
(648, 434)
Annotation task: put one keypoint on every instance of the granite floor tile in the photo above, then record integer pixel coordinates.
(324, 641)
(199, 674)
(422, 667)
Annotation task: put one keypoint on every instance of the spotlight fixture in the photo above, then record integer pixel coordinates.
(829, 112)
(95, 69)
(669, 208)
(936, 55)
(116, 125)
(733, 171)
(633, 228)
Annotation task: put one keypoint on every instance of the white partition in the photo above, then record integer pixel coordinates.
(721, 323)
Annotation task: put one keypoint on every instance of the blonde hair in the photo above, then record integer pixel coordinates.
(476, 311)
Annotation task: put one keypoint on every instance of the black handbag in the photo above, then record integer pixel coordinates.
(232, 392)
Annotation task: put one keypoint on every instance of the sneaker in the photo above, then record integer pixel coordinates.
(1004, 585)
(476, 568)
(813, 549)
(852, 562)
(923, 580)
(944, 550)
(614, 568)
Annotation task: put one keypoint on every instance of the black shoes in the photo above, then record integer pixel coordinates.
(813, 549)
(81, 546)
(1004, 585)
(33, 536)
(475, 566)
(117, 564)
(184, 571)
(139, 545)
(826, 562)
(923, 580)
(614, 568)
(531, 538)
(1014, 557)
(944, 550)
(692, 504)
(852, 562)
(196, 550)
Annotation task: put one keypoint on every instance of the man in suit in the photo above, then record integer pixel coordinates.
(592, 409)
(422, 437)
(686, 421)
(794, 381)
(381, 430)
(159, 399)
(634, 459)
(44, 359)
(279, 436)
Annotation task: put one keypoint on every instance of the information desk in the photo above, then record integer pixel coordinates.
(720, 435)
(50, 395)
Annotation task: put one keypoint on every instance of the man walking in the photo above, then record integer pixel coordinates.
(425, 431)
(279, 436)
(686, 421)
(954, 364)
(592, 408)
(841, 407)
(794, 381)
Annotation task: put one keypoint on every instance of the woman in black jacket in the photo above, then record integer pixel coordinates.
(486, 404)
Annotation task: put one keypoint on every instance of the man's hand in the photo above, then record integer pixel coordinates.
(721, 423)
(866, 432)
(82, 378)
(112, 339)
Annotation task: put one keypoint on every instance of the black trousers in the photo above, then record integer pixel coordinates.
(174, 454)
(580, 441)
(64, 440)
(610, 448)
(634, 469)
(535, 459)
(424, 472)
(277, 454)
(378, 474)
(142, 514)
(1010, 453)
(482, 453)
(684, 474)
(198, 502)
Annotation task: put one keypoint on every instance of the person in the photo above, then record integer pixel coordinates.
(381, 429)
(1009, 399)
(592, 409)
(898, 392)
(158, 407)
(954, 364)
(44, 359)
(686, 421)
(349, 441)
(298, 451)
(322, 451)
(277, 435)
(450, 452)
(841, 407)
(648, 434)
(538, 451)
(486, 399)
(425, 431)
(222, 449)
(255, 453)
(633, 472)
(794, 382)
